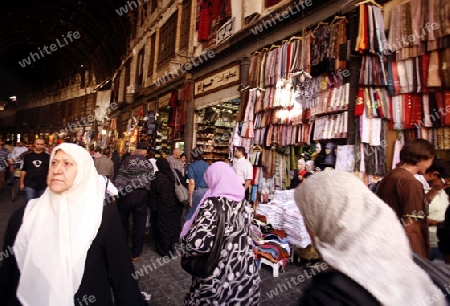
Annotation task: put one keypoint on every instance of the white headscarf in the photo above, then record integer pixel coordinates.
(360, 235)
(56, 233)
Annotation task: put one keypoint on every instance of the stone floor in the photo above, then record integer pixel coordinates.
(167, 282)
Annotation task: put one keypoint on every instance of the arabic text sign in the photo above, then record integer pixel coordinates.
(225, 77)
(225, 31)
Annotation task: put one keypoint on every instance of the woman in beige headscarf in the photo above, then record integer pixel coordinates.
(360, 237)
(68, 248)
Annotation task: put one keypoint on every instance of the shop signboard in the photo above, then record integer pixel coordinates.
(163, 101)
(224, 77)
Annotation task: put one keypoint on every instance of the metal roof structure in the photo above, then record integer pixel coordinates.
(39, 44)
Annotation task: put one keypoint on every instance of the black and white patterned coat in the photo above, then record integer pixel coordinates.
(236, 279)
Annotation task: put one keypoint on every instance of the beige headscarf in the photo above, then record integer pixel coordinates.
(56, 233)
(359, 235)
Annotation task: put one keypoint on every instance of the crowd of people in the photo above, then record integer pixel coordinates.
(74, 234)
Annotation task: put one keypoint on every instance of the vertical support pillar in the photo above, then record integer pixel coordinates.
(189, 127)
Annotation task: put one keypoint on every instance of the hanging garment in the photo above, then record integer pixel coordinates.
(434, 78)
(445, 66)
(262, 69)
(361, 40)
(440, 106)
(447, 114)
(417, 112)
(426, 111)
(380, 43)
(378, 104)
(424, 69)
(205, 19)
(435, 118)
(253, 70)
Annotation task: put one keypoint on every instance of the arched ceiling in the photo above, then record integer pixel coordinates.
(27, 26)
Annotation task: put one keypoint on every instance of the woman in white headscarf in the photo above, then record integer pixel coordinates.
(359, 236)
(68, 247)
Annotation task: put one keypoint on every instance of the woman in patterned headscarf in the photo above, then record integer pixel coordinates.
(69, 247)
(235, 281)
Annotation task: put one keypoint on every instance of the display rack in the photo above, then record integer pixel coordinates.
(162, 142)
(213, 130)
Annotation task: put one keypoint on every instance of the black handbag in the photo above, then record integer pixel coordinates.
(203, 265)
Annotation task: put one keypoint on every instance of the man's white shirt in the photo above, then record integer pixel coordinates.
(243, 169)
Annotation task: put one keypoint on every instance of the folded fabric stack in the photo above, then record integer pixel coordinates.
(294, 226)
(273, 214)
(274, 247)
(283, 213)
(255, 231)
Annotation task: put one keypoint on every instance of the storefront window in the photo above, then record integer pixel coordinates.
(214, 130)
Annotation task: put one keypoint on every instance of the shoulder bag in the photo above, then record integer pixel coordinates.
(181, 192)
(440, 275)
(203, 265)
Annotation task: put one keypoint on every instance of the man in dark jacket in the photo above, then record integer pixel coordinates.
(133, 181)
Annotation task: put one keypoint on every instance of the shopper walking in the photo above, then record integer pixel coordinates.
(3, 163)
(243, 169)
(367, 254)
(197, 185)
(15, 159)
(34, 171)
(405, 194)
(437, 177)
(165, 211)
(152, 159)
(115, 157)
(235, 281)
(102, 162)
(68, 246)
(133, 181)
(176, 163)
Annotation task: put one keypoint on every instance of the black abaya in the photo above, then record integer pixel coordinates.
(107, 267)
(166, 213)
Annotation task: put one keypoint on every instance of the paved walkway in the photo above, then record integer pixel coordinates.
(167, 282)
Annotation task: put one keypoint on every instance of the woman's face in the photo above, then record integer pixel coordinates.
(62, 172)
(183, 159)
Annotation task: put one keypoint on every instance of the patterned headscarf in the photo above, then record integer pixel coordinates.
(222, 182)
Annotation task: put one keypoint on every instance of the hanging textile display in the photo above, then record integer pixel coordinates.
(372, 103)
(297, 95)
(419, 70)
